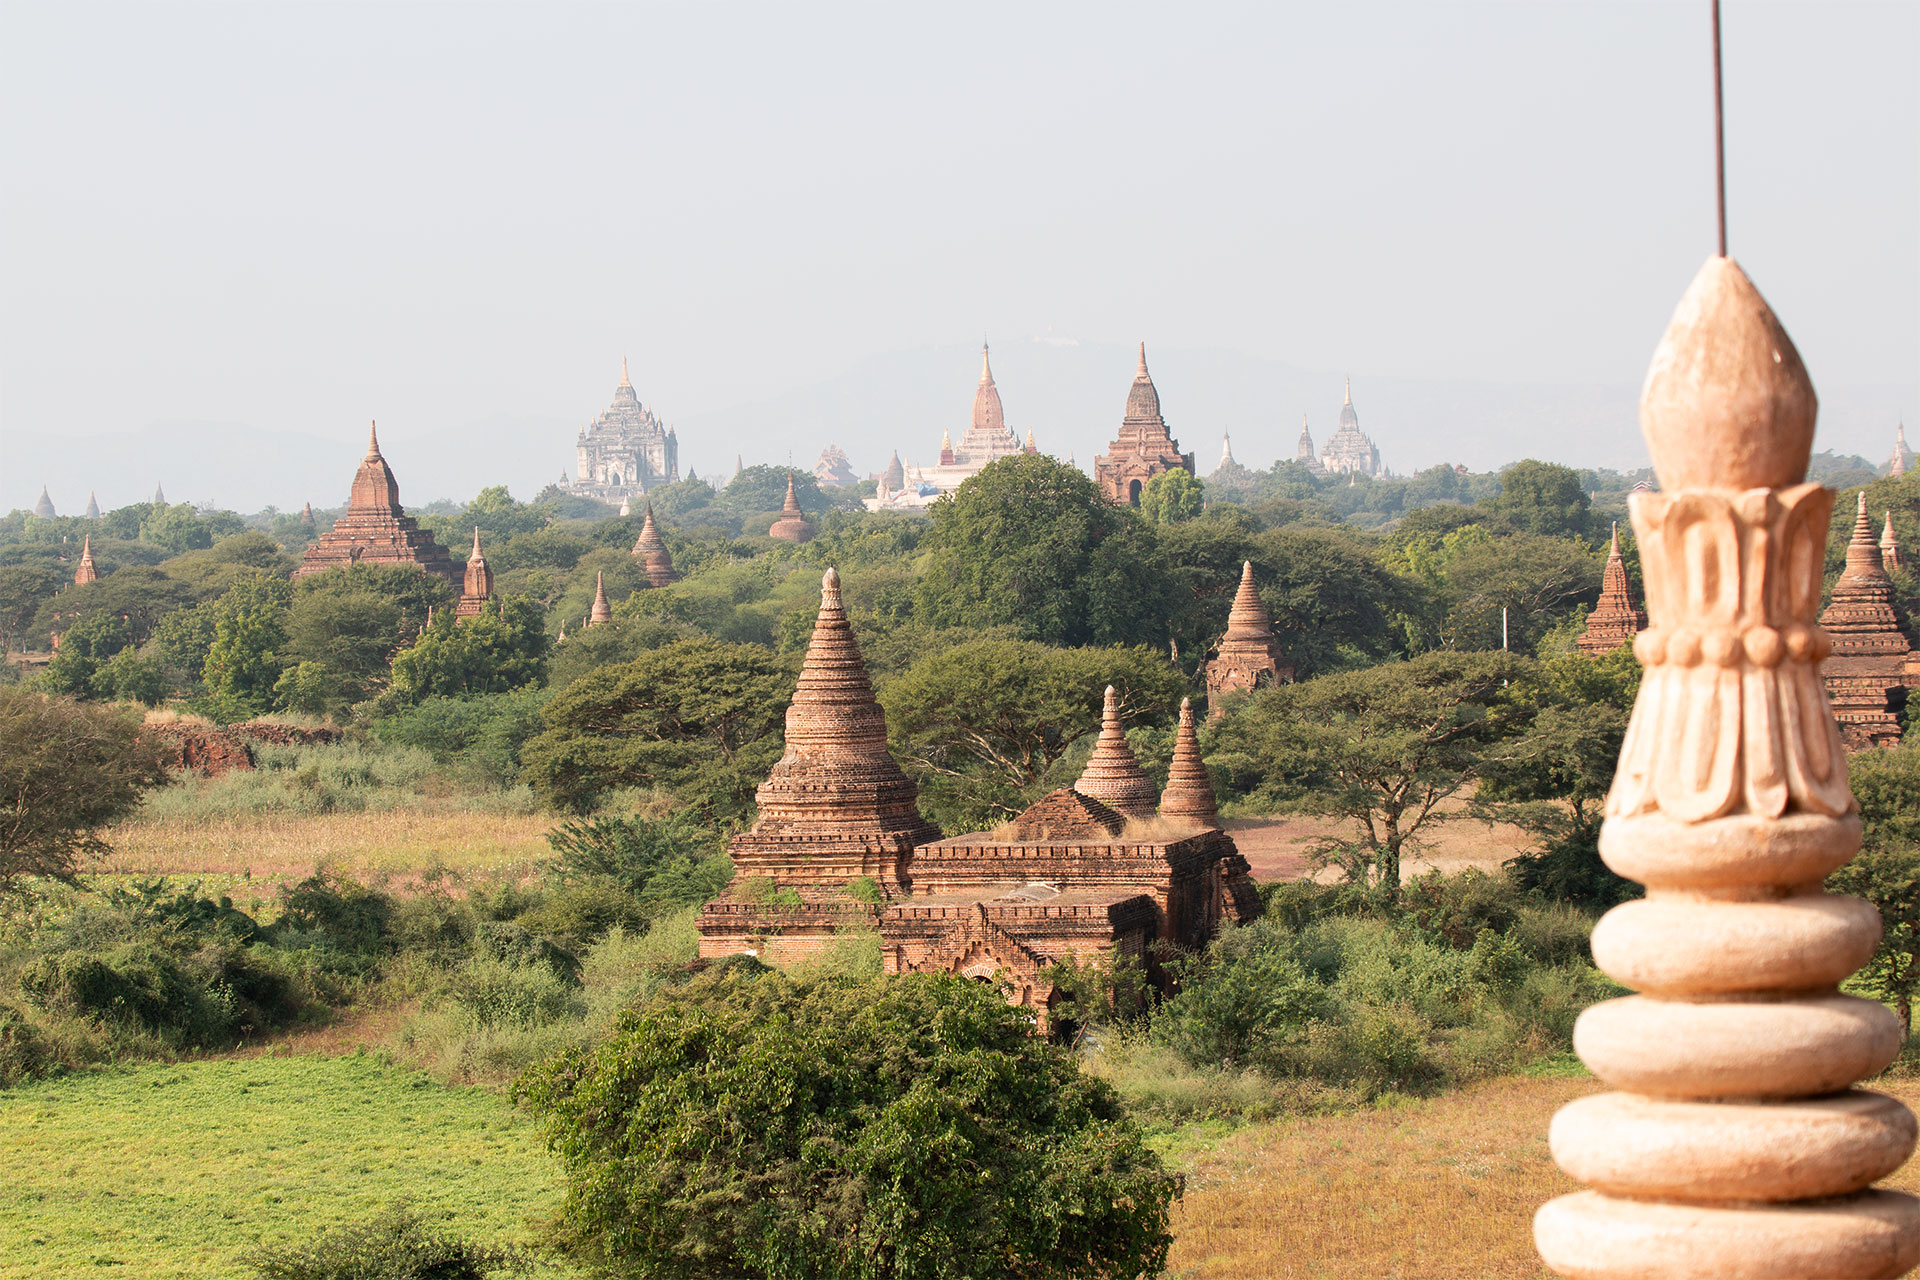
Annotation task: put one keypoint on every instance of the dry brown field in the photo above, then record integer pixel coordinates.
(1278, 846)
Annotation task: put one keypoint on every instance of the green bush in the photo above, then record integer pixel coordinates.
(496, 994)
(23, 1052)
(586, 910)
(750, 1124)
(664, 863)
(334, 912)
(395, 1245)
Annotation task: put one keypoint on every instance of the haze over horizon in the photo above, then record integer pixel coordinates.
(288, 219)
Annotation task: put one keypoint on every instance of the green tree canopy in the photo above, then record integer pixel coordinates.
(911, 1128)
(1381, 748)
(1034, 544)
(699, 718)
(140, 594)
(498, 650)
(1544, 498)
(982, 725)
(84, 650)
(1173, 496)
(249, 645)
(1886, 871)
(759, 489)
(66, 771)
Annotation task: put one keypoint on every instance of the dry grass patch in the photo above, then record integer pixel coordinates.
(278, 847)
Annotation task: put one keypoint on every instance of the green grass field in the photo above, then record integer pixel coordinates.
(182, 1171)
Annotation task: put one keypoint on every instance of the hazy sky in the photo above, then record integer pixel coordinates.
(298, 216)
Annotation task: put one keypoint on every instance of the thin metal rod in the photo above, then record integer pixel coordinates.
(1719, 134)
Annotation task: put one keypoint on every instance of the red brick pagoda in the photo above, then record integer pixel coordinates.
(478, 586)
(650, 549)
(1144, 449)
(86, 571)
(1113, 776)
(1868, 669)
(375, 529)
(1248, 656)
(793, 525)
(1615, 620)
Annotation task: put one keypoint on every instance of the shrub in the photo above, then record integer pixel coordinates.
(336, 912)
(396, 1245)
(496, 993)
(23, 1054)
(664, 863)
(906, 1127)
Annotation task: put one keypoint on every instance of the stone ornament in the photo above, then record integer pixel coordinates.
(1734, 1145)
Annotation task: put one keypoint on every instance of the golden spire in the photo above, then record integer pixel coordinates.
(986, 370)
(624, 380)
(373, 438)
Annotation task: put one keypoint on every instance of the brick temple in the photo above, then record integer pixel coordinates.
(650, 551)
(1616, 619)
(1072, 878)
(1248, 656)
(375, 529)
(793, 525)
(1871, 665)
(1145, 447)
(477, 585)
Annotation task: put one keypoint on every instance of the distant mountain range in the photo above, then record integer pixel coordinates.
(1070, 394)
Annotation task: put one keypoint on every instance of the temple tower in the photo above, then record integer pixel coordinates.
(86, 571)
(1889, 546)
(1901, 460)
(1615, 620)
(793, 525)
(1349, 449)
(1868, 662)
(1303, 450)
(625, 451)
(375, 529)
(1145, 447)
(159, 496)
(836, 807)
(1113, 775)
(601, 612)
(1189, 794)
(1734, 1145)
(1248, 655)
(650, 549)
(93, 508)
(478, 585)
(44, 507)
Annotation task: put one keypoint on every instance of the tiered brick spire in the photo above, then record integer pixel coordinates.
(793, 525)
(650, 549)
(602, 612)
(1113, 776)
(1889, 546)
(1615, 620)
(86, 571)
(1248, 656)
(93, 508)
(1145, 446)
(1870, 650)
(1189, 792)
(375, 529)
(836, 807)
(478, 586)
(1734, 1146)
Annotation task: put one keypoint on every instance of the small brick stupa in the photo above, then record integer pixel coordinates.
(1248, 656)
(44, 507)
(1615, 620)
(1870, 655)
(93, 507)
(650, 550)
(478, 586)
(1189, 795)
(1113, 776)
(1889, 547)
(87, 571)
(793, 525)
(375, 529)
(1145, 447)
(602, 612)
(834, 810)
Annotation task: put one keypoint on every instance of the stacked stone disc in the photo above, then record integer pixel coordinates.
(1189, 793)
(1734, 1145)
(836, 806)
(1113, 776)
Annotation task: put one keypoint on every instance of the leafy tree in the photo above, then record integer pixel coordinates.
(759, 489)
(84, 650)
(503, 647)
(1537, 580)
(182, 638)
(754, 1125)
(1886, 872)
(139, 594)
(983, 724)
(249, 643)
(699, 718)
(23, 589)
(1333, 603)
(211, 571)
(1172, 496)
(1381, 748)
(180, 527)
(353, 620)
(134, 677)
(483, 732)
(307, 688)
(66, 771)
(1034, 544)
(662, 863)
(1544, 498)
(398, 1244)
(1552, 777)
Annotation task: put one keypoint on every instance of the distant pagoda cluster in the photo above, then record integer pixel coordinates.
(1106, 864)
(987, 438)
(1349, 451)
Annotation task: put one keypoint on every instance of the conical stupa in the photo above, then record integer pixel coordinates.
(1615, 620)
(1870, 650)
(44, 507)
(1113, 776)
(602, 612)
(1145, 446)
(477, 587)
(1189, 793)
(375, 529)
(793, 525)
(650, 549)
(93, 508)
(1889, 546)
(86, 571)
(836, 807)
(1248, 655)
